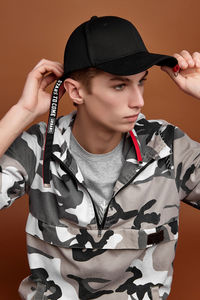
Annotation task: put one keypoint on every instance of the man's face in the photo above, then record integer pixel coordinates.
(115, 101)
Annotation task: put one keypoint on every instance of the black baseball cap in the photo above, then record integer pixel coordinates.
(109, 43)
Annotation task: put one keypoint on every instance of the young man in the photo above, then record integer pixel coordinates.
(105, 188)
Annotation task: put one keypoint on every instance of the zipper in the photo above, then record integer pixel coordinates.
(114, 195)
(102, 224)
(74, 177)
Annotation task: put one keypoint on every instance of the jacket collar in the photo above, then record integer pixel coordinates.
(147, 133)
(150, 138)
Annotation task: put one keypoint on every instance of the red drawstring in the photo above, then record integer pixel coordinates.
(176, 69)
(137, 148)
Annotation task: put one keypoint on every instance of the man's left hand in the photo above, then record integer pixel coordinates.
(188, 78)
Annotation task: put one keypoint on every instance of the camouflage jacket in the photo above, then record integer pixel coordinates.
(130, 255)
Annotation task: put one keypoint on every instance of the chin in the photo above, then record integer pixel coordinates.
(127, 127)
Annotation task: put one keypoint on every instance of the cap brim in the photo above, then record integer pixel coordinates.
(137, 63)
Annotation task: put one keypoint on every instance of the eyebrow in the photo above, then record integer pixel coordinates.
(126, 79)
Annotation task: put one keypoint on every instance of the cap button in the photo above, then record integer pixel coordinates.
(93, 18)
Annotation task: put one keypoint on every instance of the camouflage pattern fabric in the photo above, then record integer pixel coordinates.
(128, 257)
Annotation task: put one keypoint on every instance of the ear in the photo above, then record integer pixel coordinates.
(74, 90)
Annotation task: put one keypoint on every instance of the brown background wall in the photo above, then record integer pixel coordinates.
(31, 30)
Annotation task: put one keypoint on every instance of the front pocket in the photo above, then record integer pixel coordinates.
(111, 238)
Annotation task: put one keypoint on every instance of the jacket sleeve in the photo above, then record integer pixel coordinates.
(187, 168)
(18, 165)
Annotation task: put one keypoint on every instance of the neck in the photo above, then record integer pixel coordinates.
(94, 138)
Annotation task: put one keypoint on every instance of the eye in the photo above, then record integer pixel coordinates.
(141, 82)
(119, 87)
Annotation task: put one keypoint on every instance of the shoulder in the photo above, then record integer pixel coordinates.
(36, 132)
(152, 127)
(149, 129)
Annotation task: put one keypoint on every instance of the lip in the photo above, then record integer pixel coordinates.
(132, 118)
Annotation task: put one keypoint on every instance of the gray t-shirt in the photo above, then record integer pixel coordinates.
(100, 172)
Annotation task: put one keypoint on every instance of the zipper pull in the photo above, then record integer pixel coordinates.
(99, 232)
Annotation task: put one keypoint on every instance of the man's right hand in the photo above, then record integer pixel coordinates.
(35, 99)
(34, 102)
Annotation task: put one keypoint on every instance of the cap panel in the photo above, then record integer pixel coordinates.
(76, 51)
(112, 38)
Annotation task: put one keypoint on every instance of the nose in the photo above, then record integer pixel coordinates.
(136, 99)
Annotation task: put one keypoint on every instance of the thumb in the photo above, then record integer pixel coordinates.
(176, 76)
(169, 71)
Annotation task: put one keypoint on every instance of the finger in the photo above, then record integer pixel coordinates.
(179, 79)
(45, 68)
(49, 62)
(186, 55)
(196, 58)
(181, 61)
(48, 80)
(56, 67)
